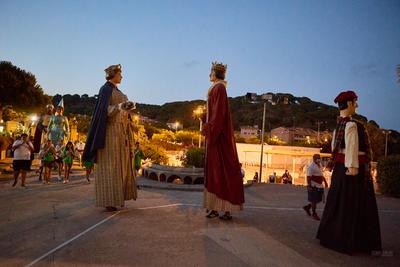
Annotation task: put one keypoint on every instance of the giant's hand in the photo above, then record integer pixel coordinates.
(352, 171)
(128, 106)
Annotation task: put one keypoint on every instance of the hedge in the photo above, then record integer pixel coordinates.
(388, 178)
(157, 154)
(194, 157)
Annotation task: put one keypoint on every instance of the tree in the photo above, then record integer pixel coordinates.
(377, 140)
(10, 114)
(19, 87)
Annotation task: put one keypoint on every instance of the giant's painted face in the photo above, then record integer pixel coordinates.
(213, 77)
(352, 106)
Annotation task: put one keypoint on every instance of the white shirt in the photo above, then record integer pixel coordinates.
(22, 152)
(351, 143)
(315, 170)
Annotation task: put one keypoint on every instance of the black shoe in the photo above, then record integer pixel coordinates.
(307, 209)
(15, 183)
(212, 214)
(109, 208)
(226, 217)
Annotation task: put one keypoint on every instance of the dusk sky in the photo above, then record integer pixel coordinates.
(305, 48)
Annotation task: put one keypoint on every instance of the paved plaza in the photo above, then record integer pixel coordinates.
(58, 225)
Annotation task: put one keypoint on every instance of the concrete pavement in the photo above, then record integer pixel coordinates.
(168, 228)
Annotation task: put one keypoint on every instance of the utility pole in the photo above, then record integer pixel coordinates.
(252, 98)
(262, 141)
(386, 132)
(318, 123)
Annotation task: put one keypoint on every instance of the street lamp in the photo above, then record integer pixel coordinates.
(386, 132)
(198, 113)
(34, 118)
(176, 126)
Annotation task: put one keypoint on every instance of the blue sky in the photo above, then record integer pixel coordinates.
(306, 48)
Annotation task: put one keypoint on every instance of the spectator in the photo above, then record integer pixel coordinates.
(68, 154)
(243, 173)
(32, 154)
(255, 178)
(272, 178)
(59, 160)
(80, 147)
(138, 158)
(315, 178)
(89, 168)
(49, 154)
(22, 158)
(287, 178)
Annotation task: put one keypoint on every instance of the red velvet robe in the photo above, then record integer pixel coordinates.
(222, 173)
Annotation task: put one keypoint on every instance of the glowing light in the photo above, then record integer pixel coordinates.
(34, 118)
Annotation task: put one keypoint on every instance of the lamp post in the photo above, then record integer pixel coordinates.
(176, 126)
(386, 132)
(198, 113)
(262, 141)
(33, 119)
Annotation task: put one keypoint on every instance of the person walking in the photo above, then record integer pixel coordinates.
(315, 189)
(109, 144)
(22, 158)
(49, 155)
(138, 158)
(88, 169)
(68, 154)
(59, 163)
(223, 179)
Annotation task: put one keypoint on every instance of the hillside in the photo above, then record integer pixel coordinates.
(296, 111)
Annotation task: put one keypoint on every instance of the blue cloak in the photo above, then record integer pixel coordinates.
(97, 130)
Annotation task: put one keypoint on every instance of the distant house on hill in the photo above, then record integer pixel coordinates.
(144, 119)
(249, 131)
(175, 126)
(294, 134)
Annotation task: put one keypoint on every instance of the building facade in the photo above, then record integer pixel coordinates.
(249, 131)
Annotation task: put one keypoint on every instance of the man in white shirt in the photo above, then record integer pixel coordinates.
(315, 189)
(22, 156)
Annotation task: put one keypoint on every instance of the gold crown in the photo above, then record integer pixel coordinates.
(219, 66)
(113, 68)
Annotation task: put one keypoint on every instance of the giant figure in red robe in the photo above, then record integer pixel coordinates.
(223, 179)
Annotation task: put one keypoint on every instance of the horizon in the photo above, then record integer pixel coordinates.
(313, 50)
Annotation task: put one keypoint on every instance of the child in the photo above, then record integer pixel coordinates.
(89, 167)
(68, 158)
(59, 160)
(49, 155)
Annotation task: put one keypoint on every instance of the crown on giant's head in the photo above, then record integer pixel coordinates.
(219, 66)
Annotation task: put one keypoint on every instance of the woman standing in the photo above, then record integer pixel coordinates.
(68, 158)
(109, 144)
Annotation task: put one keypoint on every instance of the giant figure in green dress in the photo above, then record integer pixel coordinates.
(58, 128)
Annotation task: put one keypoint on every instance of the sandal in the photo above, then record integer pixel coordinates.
(226, 217)
(212, 214)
